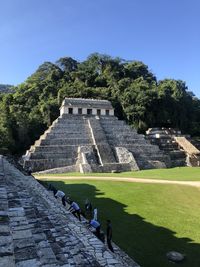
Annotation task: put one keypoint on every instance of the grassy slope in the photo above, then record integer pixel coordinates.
(148, 220)
(178, 174)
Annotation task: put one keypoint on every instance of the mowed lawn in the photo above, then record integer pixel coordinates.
(148, 219)
(175, 174)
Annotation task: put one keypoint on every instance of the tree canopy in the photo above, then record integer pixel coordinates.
(132, 88)
(6, 88)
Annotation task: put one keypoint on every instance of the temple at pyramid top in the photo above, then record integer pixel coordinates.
(86, 107)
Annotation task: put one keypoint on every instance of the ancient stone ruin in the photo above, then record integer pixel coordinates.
(182, 149)
(37, 231)
(87, 137)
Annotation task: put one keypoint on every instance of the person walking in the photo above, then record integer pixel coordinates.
(29, 170)
(52, 188)
(88, 208)
(97, 226)
(75, 209)
(109, 235)
(61, 194)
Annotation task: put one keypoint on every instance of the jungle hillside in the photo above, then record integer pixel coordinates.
(136, 94)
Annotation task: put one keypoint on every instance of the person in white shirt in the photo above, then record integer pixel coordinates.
(95, 214)
(75, 209)
(61, 194)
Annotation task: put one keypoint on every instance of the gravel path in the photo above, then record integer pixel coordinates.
(122, 179)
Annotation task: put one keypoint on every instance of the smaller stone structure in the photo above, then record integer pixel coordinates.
(193, 154)
(180, 148)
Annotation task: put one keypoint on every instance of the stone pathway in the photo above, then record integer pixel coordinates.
(121, 179)
(36, 230)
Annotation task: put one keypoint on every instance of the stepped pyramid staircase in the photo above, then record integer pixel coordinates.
(181, 149)
(58, 146)
(37, 231)
(93, 143)
(121, 135)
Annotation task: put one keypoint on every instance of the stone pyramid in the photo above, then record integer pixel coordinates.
(87, 137)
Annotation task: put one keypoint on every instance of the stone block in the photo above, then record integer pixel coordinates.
(29, 263)
(46, 256)
(23, 243)
(22, 234)
(6, 249)
(39, 237)
(7, 261)
(4, 240)
(25, 253)
(4, 229)
(16, 212)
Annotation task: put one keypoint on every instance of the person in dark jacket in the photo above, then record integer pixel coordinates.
(109, 235)
(88, 208)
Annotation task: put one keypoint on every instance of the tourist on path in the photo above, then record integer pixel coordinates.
(52, 188)
(61, 194)
(96, 225)
(29, 170)
(88, 208)
(75, 209)
(95, 214)
(109, 235)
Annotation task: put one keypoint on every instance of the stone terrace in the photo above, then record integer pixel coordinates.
(36, 230)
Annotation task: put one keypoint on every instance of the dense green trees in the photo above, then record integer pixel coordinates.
(6, 88)
(133, 90)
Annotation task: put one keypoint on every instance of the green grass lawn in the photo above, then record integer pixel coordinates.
(148, 219)
(178, 174)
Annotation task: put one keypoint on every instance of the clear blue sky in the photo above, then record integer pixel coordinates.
(164, 34)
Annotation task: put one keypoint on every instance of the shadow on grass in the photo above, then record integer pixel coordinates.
(143, 241)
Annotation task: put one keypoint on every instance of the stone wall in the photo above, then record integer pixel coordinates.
(124, 156)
